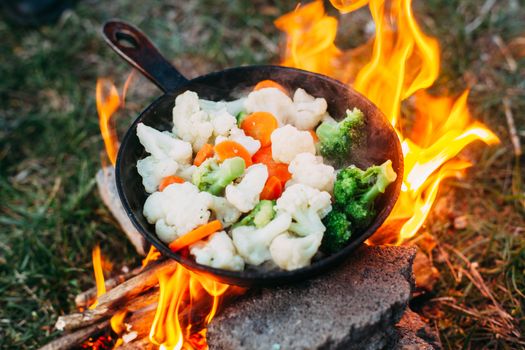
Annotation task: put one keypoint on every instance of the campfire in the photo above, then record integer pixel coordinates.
(164, 304)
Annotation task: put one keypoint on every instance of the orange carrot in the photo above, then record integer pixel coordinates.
(272, 189)
(196, 235)
(280, 170)
(204, 153)
(269, 84)
(260, 126)
(168, 180)
(229, 149)
(314, 136)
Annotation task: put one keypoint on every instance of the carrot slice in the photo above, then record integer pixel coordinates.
(196, 235)
(280, 170)
(229, 149)
(260, 126)
(204, 153)
(168, 180)
(272, 189)
(314, 136)
(263, 84)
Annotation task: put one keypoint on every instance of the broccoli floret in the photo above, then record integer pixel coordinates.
(335, 139)
(338, 231)
(260, 216)
(213, 177)
(355, 191)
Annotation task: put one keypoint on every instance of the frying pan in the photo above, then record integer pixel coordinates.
(380, 141)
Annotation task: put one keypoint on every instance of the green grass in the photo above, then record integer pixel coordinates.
(51, 215)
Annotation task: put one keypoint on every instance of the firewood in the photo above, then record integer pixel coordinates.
(87, 297)
(117, 297)
(76, 338)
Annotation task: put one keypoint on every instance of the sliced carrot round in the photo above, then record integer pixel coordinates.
(272, 189)
(204, 153)
(260, 126)
(229, 149)
(279, 170)
(168, 180)
(263, 84)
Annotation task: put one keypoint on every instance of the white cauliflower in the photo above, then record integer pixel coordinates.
(186, 172)
(163, 145)
(153, 170)
(237, 134)
(224, 211)
(308, 110)
(218, 252)
(307, 206)
(245, 195)
(309, 170)
(177, 210)
(271, 100)
(253, 243)
(287, 142)
(290, 252)
(232, 107)
(190, 123)
(223, 122)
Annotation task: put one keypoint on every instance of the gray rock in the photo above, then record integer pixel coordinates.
(355, 306)
(412, 333)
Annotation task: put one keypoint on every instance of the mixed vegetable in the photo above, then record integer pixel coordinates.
(245, 181)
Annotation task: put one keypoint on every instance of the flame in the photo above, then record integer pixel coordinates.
(99, 274)
(182, 294)
(396, 66)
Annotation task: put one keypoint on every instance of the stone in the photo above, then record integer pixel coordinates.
(354, 306)
(414, 334)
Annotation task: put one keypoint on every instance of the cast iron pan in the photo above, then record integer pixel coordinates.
(380, 143)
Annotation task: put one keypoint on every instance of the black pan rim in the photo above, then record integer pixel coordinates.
(247, 278)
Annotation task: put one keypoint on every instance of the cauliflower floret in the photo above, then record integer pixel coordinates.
(186, 172)
(190, 123)
(218, 252)
(153, 170)
(232, 107)
(224, 211)
(245, 195)
(309, 170)
(308, 110)
(307, 206)
(223, 122)
(287, 142)
(290, 252)
(163, 145)
(177, 210)
(273, 101)
(236, 134)
(252, 243)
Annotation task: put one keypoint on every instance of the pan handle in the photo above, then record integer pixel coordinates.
(134, 46)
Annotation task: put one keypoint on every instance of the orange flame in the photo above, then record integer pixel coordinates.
(99, 274)
(401, 62)
(174, 322)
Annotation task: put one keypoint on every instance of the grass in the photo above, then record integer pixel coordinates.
(51, 215)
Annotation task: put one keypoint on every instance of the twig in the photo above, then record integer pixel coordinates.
(514, 138)
(511, 62)
(74, 339)
(484, 11)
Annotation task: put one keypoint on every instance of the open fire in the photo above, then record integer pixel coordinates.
(393, 70)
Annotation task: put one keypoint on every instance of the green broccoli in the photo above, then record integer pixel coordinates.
(260, 216)
(213, 177)
(355, 191)
(338, 231)
(240, 117)
(335, 139)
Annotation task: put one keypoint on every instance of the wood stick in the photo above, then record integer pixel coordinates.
(87, 297)
(117, 297)
(74, 339)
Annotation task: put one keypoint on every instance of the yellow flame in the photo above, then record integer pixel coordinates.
(99, 274)
(108, 102)
(399, 63)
